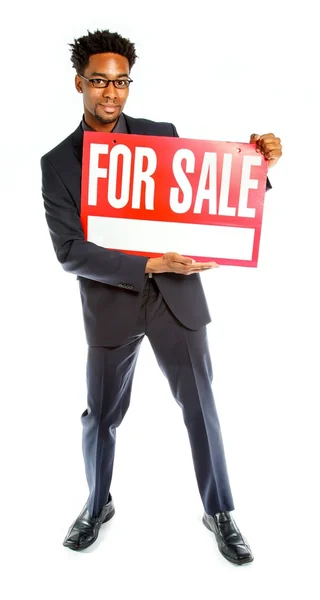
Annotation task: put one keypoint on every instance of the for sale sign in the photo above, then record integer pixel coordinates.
(149, 195)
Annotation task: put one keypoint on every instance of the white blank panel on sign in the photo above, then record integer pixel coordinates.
(160, 237)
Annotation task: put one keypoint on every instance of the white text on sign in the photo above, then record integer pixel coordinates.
(180, 197)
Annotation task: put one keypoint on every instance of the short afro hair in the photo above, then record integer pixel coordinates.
(98, 42)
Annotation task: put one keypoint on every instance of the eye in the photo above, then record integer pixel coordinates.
(98, 82)
(122, 83)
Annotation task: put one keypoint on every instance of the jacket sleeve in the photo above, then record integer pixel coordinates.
(77, 255)
(268, 184)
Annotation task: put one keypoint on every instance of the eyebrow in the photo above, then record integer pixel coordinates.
(106, 76)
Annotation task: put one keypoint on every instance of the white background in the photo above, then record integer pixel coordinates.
(220, 71)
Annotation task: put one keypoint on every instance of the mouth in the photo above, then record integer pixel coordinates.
(110, 108)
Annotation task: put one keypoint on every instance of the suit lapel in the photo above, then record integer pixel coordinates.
(77, 142)
(137, 126)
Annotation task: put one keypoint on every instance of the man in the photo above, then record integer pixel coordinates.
(125, 297)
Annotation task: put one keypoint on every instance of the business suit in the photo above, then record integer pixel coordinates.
(121, 304)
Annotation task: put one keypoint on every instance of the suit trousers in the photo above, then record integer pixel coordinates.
(183, 357)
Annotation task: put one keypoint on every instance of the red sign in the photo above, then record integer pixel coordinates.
(149, 195)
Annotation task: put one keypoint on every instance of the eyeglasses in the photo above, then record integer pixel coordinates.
(120, 84)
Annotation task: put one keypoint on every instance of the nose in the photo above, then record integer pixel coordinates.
(110, 91)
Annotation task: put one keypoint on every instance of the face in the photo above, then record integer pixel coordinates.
(102, 106)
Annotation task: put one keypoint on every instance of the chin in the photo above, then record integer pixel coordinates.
(106, 120)
(102, 117)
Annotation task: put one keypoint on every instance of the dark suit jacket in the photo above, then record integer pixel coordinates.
(111, 282)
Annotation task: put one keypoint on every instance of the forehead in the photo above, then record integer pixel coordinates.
(108, 63)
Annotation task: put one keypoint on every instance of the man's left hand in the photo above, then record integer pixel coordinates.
(269, 145)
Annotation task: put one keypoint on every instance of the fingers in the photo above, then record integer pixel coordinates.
(266, 140)
(271, 151)
(198, 267)
(184, 265)
(208, 263)
(269, 145)
(211, 263)
(175, 257)
(268, 137)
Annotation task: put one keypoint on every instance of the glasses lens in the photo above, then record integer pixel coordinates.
(121, 83)
(118, 83)
(99, 83)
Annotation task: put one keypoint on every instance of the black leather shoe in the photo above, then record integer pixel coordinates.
(232, 545)
(85, 529)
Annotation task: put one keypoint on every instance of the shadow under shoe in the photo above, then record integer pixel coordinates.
(232, 545)
(85, 529)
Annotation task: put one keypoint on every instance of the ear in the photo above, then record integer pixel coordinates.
(78, 84)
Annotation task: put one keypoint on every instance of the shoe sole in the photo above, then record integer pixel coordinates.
(84, 546)
(243, 561)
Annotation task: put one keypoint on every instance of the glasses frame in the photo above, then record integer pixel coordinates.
(107, 81)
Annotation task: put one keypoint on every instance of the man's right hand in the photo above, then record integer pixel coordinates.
(171, 262)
